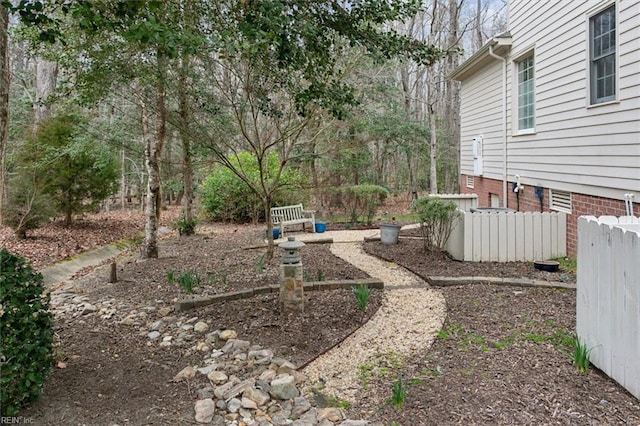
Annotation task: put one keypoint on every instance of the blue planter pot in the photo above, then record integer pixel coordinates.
(276, 233)
(321, 227)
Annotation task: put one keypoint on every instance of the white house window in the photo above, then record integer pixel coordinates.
(602, 28)
(526, 100)
(560, 200)
(470, 181)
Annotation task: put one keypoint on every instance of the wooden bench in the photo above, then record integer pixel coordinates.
(292, 215)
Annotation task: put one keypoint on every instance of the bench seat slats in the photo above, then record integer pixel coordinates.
(292, 215)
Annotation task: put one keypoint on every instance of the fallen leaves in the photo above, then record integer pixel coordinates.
(53, 242)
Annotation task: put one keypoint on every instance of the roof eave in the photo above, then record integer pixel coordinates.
(499, 45)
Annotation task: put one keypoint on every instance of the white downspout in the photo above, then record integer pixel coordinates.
(504, 125)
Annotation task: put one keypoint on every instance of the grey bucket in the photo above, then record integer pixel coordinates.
(389, 233)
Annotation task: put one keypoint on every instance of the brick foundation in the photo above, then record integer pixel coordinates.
(581, 204)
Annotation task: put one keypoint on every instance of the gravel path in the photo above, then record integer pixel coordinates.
(405, 326)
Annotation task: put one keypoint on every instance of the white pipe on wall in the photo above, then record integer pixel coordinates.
(504, 124)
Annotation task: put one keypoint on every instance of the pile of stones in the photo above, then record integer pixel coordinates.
(246, 385)
(237, 383)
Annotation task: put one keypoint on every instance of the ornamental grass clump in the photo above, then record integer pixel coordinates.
(399, 392)
(362, 294)
(26, 333)
(581, 355)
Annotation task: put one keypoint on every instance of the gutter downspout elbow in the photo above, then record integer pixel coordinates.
(504, 124)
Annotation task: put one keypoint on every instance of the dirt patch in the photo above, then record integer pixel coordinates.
(502, 356)
(499, 359)
(113, 373)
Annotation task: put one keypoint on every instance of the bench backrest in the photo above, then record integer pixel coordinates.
(286, 213)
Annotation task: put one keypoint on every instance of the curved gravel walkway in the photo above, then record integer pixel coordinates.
(405, 326)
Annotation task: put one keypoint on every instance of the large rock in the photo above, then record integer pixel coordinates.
(186, 373)
(256, 395)
(284, 388)
(204, 410)
(217, 377)
(238, 389)
(201, 327)
(300, 406)
(228, 334)
(331, 413)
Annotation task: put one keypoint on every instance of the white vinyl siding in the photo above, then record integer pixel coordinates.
(481, 113)
(602, 37)
(575, 148)
(526, 95)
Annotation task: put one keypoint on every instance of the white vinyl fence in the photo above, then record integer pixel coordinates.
(508, 236)
(608, 296)
(464, 201)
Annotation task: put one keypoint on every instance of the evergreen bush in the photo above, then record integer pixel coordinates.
(364, 200)
(227, 198)
(436, 220)
(26, 333)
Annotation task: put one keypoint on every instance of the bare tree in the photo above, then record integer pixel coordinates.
(4, 100)
(46, 78)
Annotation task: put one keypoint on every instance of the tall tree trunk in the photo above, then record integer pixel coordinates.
(152, 153)
(187, 162)
(187, 158)
(433, 154)
(4, 101)
(46, 77)
(452, 105)
(478, 39)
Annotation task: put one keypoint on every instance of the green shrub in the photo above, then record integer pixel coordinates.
(27, 205)
(225, 197)
(187, 280)
(26, 332)
(186, 227)
(363, 200)
(61, 169)
(436, 220)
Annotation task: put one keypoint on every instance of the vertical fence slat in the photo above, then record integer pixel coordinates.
(468, 236)
(511, 238)
(604, 298)
(502, 237)
(528, 236)
(520, 239)
(477, 237)
(631, 314)
(608, 297)
(546, 236)
(485, 231)
(616, 285)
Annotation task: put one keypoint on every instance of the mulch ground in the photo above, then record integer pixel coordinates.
(500, 358)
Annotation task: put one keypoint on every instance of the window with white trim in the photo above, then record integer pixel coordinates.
(470, 181)
(526, 98)
(560, 200)
(602, 40)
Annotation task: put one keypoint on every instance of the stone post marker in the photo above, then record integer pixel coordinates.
(291, 282)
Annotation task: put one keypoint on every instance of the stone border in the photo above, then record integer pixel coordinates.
(198, 302)
(437, 281)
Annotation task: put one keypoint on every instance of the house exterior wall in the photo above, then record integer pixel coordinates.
(481, 109)
(581, 204)
(593, 150)
(590, 151)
